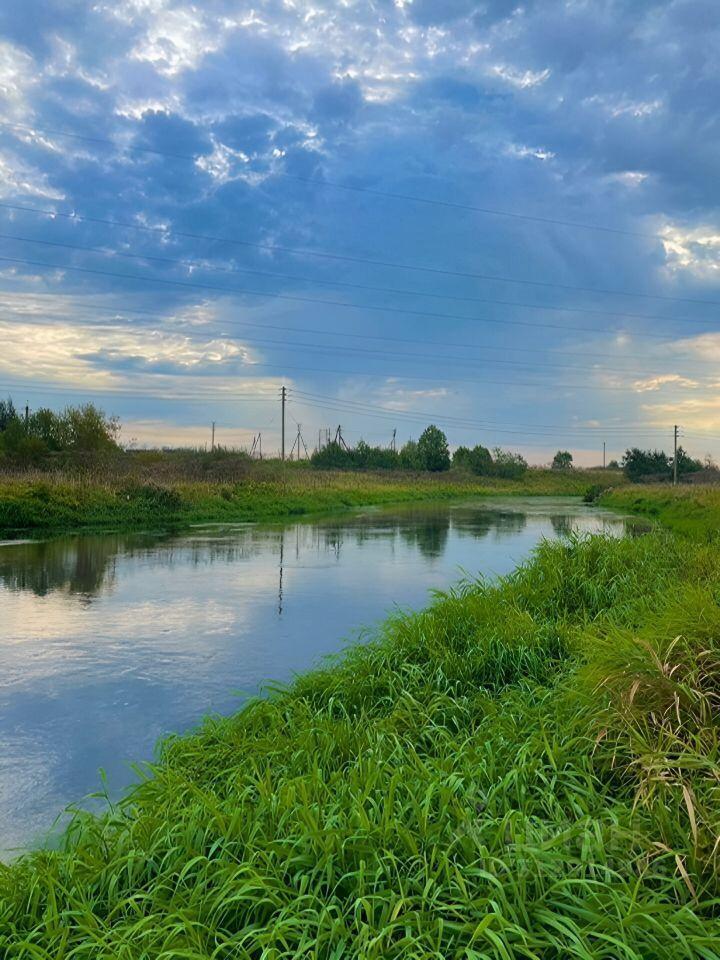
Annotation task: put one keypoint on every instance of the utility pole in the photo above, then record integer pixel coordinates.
(675, 440)
(283, 397)
(27, 417)
(212, 442)
(392, 442)
(603, 454)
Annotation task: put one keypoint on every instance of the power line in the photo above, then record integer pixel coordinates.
(217, 268)
(300, 299)
(384, 194)
(364, 406)
(165, 232)
(324, 331)
(393, 416)
(463, 361)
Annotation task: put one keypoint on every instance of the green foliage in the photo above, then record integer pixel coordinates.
(563, 460)
(656, 465)
(7, 413)
(335, 456)
(432, 450)
(410, 456)
(510, 466)
(687, 464)
(594, 492)
(526, 769)
(77, 430)
(637, 464)
(478, 460)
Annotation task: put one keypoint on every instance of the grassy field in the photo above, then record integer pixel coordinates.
(693, 510)
(41, 501)
(527, 769)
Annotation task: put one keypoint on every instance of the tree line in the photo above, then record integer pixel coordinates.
(31, 437)
(646, 465)
(431, 452)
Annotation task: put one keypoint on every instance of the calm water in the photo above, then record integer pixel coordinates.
(109, 642)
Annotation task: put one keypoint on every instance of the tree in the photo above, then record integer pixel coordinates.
(479, 460)
(638, 464)
(409, 456)
(89, 430)
(563, 460)
(7, 413)
(686, 463)
(433, 450)
(332, 456)
(510, 466)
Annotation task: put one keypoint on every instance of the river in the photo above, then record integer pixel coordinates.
(108, 642)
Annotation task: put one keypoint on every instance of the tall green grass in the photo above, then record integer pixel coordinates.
(688, 509)
(46, 501)
(526, 769)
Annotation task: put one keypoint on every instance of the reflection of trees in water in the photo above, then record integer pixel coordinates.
(562, 525)
(81, 565)
(85, 565)
(480, 523)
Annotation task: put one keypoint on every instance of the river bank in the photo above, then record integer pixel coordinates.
(55, 502)
(527, 768)
(690, 510)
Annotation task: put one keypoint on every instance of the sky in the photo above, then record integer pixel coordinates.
(502, 218)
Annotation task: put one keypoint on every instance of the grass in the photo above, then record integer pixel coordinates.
(151, 498)
(528, 768)
(688, 509)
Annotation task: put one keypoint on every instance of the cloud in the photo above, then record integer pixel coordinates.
(574, 111)
(72, 353)
(664, 380)
(695, 250)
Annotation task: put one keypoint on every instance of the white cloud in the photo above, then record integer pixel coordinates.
(695, 250)
(663, 380)
(66, 352)
(18, 74)
(521, 79)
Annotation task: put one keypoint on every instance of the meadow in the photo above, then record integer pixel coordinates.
(529, 768)
(166, 491)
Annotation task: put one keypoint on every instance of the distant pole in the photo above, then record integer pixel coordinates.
(675, 439)
(392, 443)
(27, 417)
(603, 454)
(283, 397)
(212, 442)
(260, 445)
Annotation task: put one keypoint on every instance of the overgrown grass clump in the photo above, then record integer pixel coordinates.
(526, 769)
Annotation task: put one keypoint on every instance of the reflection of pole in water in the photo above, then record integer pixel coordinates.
(280, 585)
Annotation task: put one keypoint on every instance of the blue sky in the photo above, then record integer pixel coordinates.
(218, 200)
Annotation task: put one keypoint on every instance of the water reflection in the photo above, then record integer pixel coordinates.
(109, 642)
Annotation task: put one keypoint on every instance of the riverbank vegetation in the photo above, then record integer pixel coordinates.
(150, 497)
(693, 510)
(527, 769)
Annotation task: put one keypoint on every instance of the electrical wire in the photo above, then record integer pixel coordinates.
(367, 261)
(354, 188)
(395, 291)
(300, 299)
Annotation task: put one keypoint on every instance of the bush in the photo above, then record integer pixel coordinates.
(509, 466)
(563, 460)
(478, 460)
